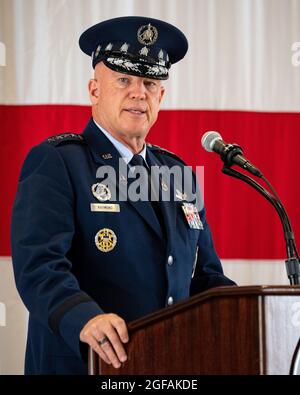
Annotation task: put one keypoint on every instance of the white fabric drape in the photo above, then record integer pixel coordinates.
(242, 44)
(13, 322)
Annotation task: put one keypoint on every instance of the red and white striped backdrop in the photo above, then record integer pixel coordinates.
(237, 78)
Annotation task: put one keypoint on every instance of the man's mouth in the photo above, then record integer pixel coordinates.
(135, 111)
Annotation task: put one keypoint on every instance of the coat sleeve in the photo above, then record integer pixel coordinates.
(42, 229)
(208, 270)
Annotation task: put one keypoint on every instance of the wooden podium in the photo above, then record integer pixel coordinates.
(227, 330)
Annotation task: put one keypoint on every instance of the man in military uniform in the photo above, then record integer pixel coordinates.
(87, 261)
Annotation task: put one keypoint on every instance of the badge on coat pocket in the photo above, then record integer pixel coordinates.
(105, 240)
(192, 216)
(101, 192)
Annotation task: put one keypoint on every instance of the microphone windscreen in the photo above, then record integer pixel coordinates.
(208, 140)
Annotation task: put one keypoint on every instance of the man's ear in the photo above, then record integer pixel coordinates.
(162, 92)
(93, 88)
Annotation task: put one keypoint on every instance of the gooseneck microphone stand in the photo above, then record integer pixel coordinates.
(292, 262)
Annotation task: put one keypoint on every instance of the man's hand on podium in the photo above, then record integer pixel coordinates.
(106, 334)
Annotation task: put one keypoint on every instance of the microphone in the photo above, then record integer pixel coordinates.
(230, 153)
(233, 154)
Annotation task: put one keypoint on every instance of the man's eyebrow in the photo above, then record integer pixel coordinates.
(123, 75)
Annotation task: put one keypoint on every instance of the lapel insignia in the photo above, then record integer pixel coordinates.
(164, 186)
(192, 216)
(101, 192)
(122, 178)
(105, 240)
(106, 156)
(180, 195)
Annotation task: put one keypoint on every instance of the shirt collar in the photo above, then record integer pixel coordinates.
(124, 151)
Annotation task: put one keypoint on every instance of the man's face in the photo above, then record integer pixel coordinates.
(125, 105)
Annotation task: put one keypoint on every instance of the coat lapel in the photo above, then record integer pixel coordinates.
(169, 208)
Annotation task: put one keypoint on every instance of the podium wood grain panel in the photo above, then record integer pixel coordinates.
(226, 330)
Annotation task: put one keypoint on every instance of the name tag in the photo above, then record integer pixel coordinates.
(105, 207)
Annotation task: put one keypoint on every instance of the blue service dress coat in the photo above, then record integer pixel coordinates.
(64, 279)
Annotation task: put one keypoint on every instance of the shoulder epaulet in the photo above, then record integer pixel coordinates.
(164, 151)
(65, 137)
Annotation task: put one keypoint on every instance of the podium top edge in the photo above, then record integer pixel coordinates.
(218, 292)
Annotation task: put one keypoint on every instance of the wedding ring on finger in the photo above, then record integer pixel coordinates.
(103, 340)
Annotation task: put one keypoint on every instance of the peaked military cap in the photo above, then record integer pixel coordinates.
(140, 46)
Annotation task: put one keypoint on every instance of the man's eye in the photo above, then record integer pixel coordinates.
(123, 80)
(151, 86)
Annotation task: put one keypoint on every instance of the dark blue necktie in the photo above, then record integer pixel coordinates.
(138, 160)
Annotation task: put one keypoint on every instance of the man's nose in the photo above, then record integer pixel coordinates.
(137, 90)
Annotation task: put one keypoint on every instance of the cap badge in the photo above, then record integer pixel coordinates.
(101, 192)
(147, 34)
(105, 240)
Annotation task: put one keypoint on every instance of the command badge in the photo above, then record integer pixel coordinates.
(101, 192)
(105, 240)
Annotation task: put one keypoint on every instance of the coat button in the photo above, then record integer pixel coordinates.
(170, 260)
(170, 301)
